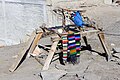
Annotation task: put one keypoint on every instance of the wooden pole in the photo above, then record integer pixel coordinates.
(105, 46)
(23, 53)
(35, 42)
(31, 45)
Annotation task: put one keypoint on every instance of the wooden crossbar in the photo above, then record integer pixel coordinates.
(86, 32)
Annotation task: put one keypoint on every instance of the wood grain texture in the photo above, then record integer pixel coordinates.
(50, 55)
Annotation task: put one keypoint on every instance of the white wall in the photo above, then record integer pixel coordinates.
(19, 18)
(108, 1)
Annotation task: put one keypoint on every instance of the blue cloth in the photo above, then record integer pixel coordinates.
(77, 19)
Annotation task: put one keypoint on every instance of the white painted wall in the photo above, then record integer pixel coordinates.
(108, 1)
(19, 18)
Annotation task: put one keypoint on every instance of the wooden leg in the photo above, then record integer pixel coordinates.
(31, 44)
(86, 43)
(50, 55)
(35, 42)
(85, 40)
(22, 53)
(105, 46)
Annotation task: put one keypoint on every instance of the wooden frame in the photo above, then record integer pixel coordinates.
(35, 37)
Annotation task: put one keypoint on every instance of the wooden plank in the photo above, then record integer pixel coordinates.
(35, 42)
(81, 10)
(50, 55)
(37, 51)
(104, 45)
(19, 60)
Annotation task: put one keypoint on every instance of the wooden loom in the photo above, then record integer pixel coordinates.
(37, 35)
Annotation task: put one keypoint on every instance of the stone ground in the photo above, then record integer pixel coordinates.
(91, 67)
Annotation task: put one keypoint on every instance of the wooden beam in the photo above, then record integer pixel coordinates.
(82, 33)
(50, 55)
(104, 45)
(35, 42)
(23, 53)
(81, 10)
(85, 40)
(31, 45)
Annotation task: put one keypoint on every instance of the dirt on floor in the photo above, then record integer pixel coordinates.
(92, 66)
